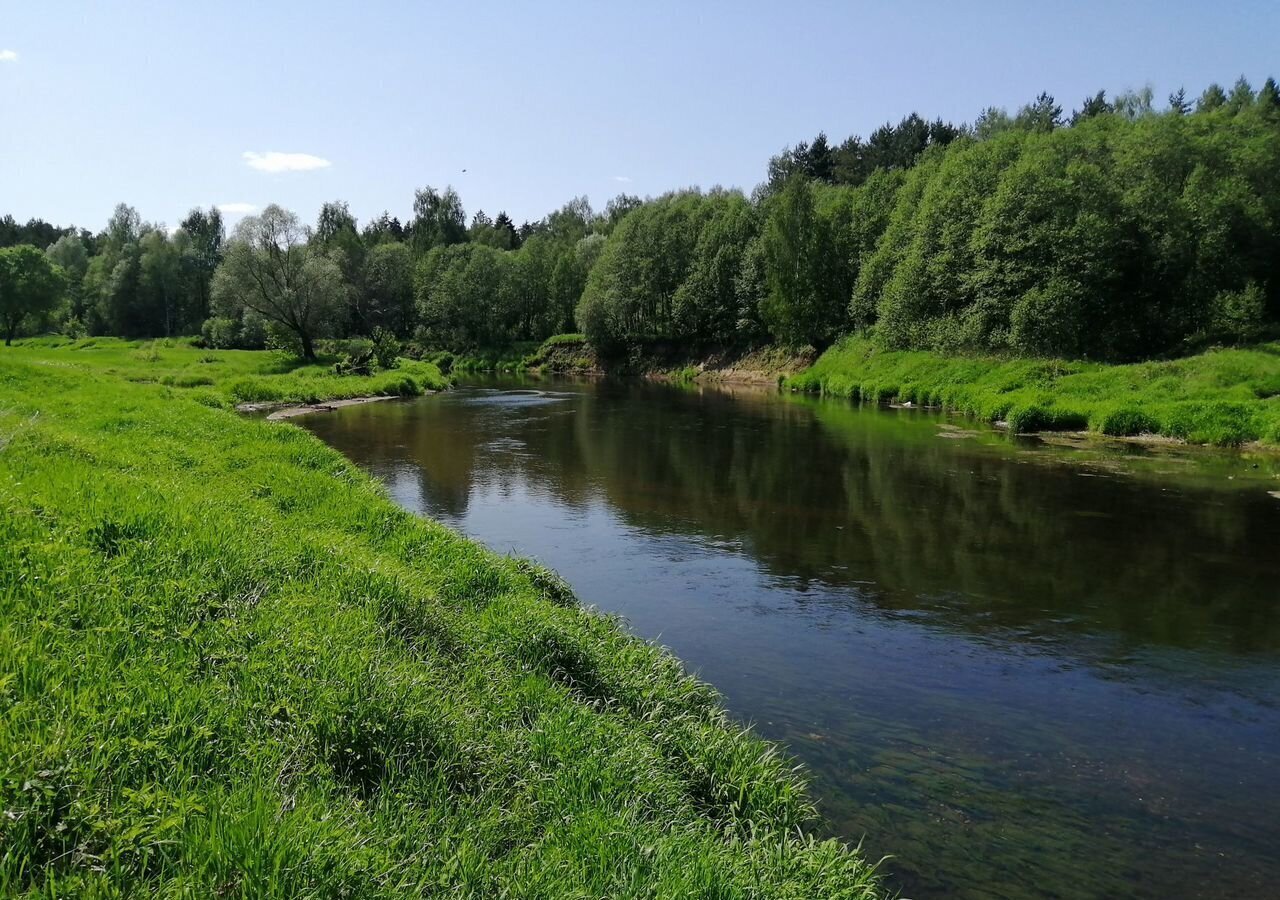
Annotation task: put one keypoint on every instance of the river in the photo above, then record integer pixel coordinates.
(1021, 669)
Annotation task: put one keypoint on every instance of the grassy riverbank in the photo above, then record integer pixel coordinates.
(573, 354)
(1219, 397)
(230, 666)
(223, 377)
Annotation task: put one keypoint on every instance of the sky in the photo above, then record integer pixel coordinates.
(523, 106)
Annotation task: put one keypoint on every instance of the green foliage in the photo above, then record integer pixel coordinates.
(1126, 421)
(464, 298)
(1128, 233)
(387, 298)
(1220, 397)
(386, 348)
(438, 219)
(231, 666)
(808, 277)
(674, 269)
(1112, 239)
(357, 357)
(31, 285)
(270, 270)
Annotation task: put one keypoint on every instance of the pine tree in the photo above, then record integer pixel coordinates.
(820, 164)
(1179, 105)
(1241, 96)
(1042, 115)
(1214, 97)
(1096, 105)
(1269, 98)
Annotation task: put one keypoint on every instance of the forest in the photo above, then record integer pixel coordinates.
(1124, 230)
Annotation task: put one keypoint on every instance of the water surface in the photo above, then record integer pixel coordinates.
(1023, 670)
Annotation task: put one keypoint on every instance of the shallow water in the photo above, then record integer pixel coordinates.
(1023, 670)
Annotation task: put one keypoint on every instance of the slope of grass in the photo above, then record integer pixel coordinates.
(564, 353)
(231, 667)
(511, 358)
(1219, 397)
(226, 377)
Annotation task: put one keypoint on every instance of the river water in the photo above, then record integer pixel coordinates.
(1021, 669)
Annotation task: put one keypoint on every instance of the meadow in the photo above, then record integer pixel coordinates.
(1222, 396)
(224, 377)
(230, 666)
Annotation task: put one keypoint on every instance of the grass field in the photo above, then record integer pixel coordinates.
(231, 667)
(223, 377)
(1219, 397)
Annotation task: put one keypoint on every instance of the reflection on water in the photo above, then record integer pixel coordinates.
(1023, 670)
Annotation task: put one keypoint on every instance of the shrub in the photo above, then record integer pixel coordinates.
(357, 358)
(386, 348)
(442, 359)
(1240, 315)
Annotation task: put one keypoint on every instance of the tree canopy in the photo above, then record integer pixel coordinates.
(30, 285)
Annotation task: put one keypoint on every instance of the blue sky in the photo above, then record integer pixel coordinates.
(159, 103)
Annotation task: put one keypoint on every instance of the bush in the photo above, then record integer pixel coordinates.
(74, 328)
(442, 360)
(386, 348)
(222, 333)
(357, 359)
(1240, 315)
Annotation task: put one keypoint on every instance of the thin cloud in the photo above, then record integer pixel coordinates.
(237, 209)
(8, 56)
(624, 179)
(274, 161)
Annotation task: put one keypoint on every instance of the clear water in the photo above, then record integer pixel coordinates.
(1024, 670)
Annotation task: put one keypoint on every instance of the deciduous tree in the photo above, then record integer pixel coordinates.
(30, 285)
(269, 269)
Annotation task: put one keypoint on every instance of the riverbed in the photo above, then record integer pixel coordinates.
(1021, 669)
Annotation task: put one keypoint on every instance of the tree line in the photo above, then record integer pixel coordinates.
(1118, 232)
(1121, 232)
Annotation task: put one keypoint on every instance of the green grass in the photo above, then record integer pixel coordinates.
(513, 358)
(230, 666)
(1220, 397)
(563, 353)
(560, 340)
(225, 377)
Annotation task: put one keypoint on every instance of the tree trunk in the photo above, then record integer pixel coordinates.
(308, 349)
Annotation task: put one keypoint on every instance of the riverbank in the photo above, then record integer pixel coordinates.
(232, 666)
(1223, 397)
(570, 354)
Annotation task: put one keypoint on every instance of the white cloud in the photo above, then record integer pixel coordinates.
(8, 55)
(625, 179)
(237, 209)
(274, 161)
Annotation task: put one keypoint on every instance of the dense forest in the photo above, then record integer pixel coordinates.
(1120, 231)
